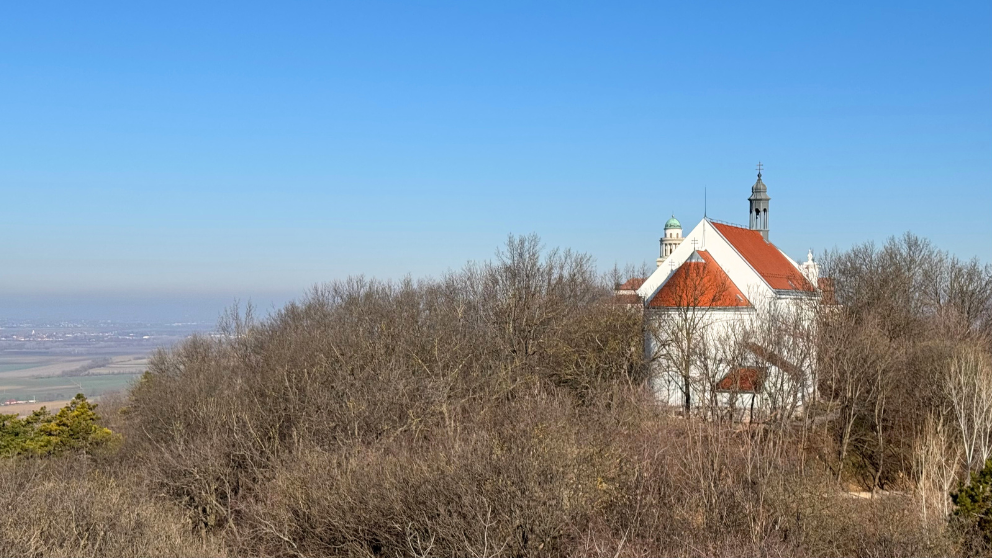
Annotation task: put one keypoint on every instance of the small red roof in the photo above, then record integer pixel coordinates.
(699, 284)
(742, 379)
(765, 258)
(632, 284)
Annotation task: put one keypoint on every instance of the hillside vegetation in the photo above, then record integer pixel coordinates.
(505, 410)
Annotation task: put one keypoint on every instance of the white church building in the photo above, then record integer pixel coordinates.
(729, 318)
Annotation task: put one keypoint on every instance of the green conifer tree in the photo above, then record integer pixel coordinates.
(973, 503)
(74, 427)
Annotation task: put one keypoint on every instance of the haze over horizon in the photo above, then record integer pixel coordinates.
(169, 160)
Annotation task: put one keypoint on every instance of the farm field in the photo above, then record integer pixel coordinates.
(54, 378)
(17, 366)
(128, 364)
(56, 388)
(35, 366)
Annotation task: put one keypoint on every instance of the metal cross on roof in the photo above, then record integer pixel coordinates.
(694, 243)
(759, 168)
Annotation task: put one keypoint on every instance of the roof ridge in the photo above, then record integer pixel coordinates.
(748, 262)
(776, 270)
(728, 223)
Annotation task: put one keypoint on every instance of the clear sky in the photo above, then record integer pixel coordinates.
(211, 151)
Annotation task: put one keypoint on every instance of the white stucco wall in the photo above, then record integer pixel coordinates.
(715, 324)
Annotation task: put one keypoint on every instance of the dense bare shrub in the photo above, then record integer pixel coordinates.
(364, 362)
(525, 478)
(887, 357)
(503, 410)
(69, 507)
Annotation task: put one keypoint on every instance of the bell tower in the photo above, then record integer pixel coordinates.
(759, 206)
(671, 240)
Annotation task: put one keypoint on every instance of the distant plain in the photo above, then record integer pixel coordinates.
(41, 378)
(48, 365)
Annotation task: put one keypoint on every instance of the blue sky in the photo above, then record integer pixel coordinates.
(251, 150)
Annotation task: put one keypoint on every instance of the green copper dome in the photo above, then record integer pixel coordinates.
(673, 223)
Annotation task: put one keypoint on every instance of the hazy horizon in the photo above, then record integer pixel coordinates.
(203, 309)
(208, 307)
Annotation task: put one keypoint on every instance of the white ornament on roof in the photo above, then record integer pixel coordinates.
(810, 268)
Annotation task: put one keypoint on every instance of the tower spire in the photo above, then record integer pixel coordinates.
(758, 205)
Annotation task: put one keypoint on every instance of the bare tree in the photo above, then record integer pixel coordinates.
(730, 381)
(678, 321)
(968, 386)
(781, 335)
(937, 458)
(856, 362)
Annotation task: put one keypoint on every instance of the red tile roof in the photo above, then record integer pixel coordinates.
(632, 284)
(742, 379)
(765, 258)
(699, 284)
